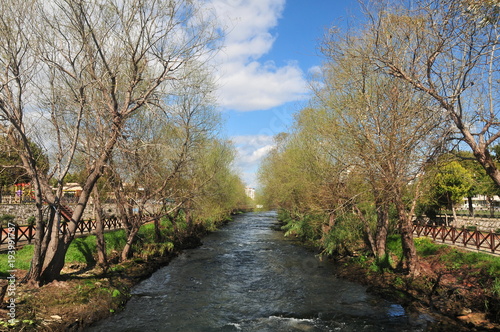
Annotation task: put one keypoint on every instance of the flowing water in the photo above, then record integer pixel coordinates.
(248, 277)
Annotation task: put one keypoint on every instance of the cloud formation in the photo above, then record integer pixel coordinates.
(245, 83)
(251, 149)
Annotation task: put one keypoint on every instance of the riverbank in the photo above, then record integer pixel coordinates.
(87, 294)
(453, 287)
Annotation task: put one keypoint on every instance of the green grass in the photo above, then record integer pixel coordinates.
(425, 246)
(485, 264)
(21, 262)
(394, 245)
(456, 259)
(81, 250)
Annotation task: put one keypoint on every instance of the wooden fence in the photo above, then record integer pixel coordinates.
(27, 233)
(488, 241)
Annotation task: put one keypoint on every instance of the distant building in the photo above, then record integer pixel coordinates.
(250, 192)
(482, 202)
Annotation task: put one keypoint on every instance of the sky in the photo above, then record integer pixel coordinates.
(270, 50)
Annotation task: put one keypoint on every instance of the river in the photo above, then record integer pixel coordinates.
(248, 277)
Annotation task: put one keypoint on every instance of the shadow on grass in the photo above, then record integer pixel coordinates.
(86, 251)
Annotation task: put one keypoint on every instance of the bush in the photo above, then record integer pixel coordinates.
(31, 221)
(5, 219)
(344, 237)
(304, 227)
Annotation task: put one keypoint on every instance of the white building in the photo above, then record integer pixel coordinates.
(481, 202)
(250, 192)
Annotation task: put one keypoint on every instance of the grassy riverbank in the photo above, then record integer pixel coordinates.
(88, 292)
(462, 287)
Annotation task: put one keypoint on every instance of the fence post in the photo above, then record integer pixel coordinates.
(492, 241)
(16, 234)
(30, 233)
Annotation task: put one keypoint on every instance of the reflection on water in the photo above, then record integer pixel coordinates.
(248, 277)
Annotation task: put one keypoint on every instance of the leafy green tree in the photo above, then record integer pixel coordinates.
(482, 184)
(450, 184)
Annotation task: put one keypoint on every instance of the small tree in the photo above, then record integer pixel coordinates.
(450, 185)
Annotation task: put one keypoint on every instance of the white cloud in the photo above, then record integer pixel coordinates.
(245, 83)
(251, 149)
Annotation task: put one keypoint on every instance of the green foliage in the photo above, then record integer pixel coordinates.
(451, 184)
(5, 219)
(495, 289)
(305, 228)
(11, 171)
(394, 245)
(16, 323)
(31, 220)
(344, 237)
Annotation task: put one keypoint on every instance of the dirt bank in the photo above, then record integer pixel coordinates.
(455, 297)
(84, 295)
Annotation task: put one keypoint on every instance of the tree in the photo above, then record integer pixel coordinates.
(448, 50)
(482, 184)
(383, 129)
(93, 66)
(451, 184)
(161, 147)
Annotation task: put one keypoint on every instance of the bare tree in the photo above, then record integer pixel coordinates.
(100, 64)
(448, 50)
(160, 147)
(384, 131)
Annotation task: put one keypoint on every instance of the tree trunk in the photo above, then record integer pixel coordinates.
(368, 231)
(127, 249)
(471, 206)
(407, 243)
(409, 250)
(42, 235)
(99, 230)
(382, 229)
(455, 219)
(158, 235)
(491, 203)
(54, 262)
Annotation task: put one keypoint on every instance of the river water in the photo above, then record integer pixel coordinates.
(248, 277)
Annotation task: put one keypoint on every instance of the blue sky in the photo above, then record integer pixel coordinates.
(271, 47)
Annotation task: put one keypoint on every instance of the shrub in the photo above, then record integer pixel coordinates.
(5, 219)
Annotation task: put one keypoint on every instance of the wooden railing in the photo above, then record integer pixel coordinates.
(460, 236)
(27, 233)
